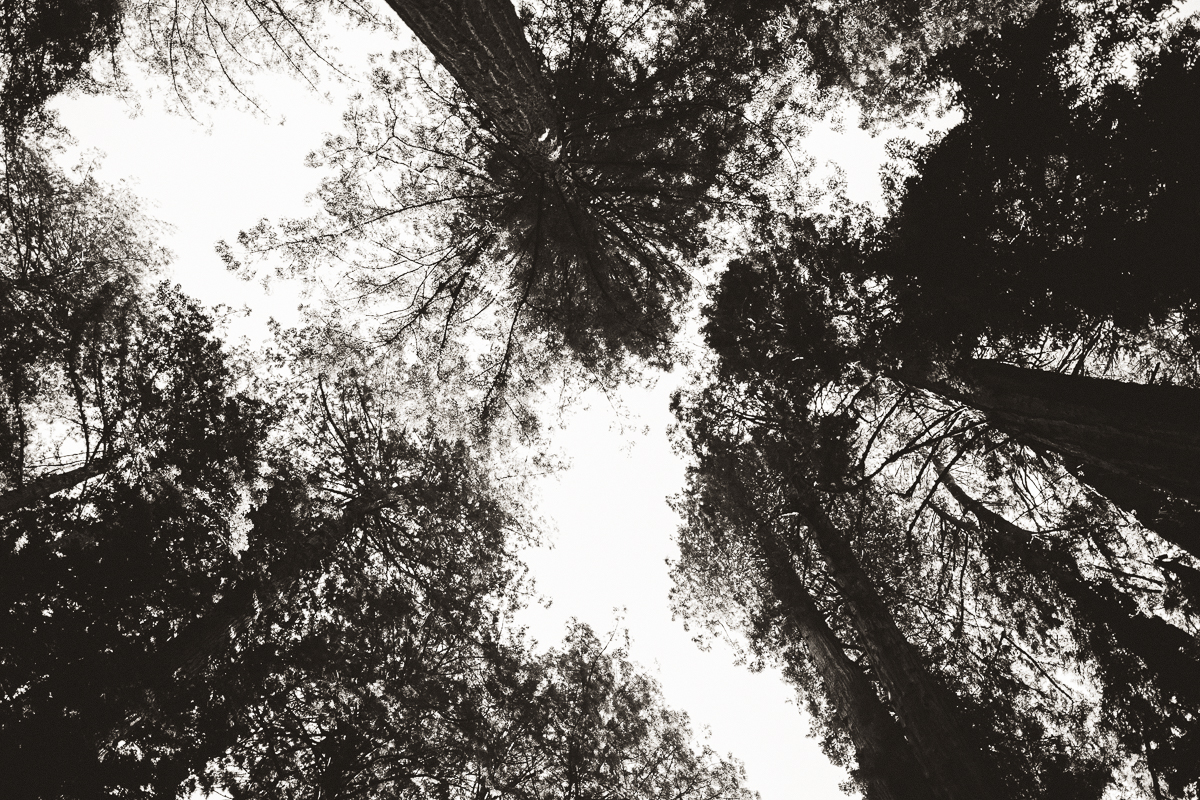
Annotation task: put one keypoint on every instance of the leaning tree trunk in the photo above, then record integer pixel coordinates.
(942, 742)
(47, 485)
(204, 639)
(1168, 652)
(886, 764)
(1148, 433)
(482, 45)
(1172, 518)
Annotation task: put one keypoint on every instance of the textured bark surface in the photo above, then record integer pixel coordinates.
(885, 759)
(1149, 433)
(942, 743)
(1169, 652)
(47, 485)
(482, 45)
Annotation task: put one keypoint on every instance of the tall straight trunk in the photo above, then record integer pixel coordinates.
(886, 763)
(206, 638)
(1149, 433)
(482, 45)
(1168, 652)
(942, 742)
(47, 485)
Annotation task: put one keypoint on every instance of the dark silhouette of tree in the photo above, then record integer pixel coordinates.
(555, 207)
(1065, 198)
(95, 580)
(799, 337)
(723, 515)
(1132, 442)
(437, 713)
(1152, 700)
(74, 258)
(1144, 432)
(1023, 738)
(799, 379)
(45, 47)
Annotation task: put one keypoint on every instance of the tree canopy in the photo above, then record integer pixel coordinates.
(943, 458)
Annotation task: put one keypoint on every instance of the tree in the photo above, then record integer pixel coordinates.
(45, 47)
(1114, 629)
(448, 205)
(1143, 432)
(1132, 442)
(1063, 200)
(951, 634)
(477, 718)
(96, 579)
(794, 338)
(75, 258)
(723, 514)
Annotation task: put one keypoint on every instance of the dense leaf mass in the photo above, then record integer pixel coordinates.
(943, 463)
(1062, 200)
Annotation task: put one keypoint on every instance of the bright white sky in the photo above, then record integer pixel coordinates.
(614, 529)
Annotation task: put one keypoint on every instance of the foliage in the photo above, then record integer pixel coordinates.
(45, 48)
(1062, 201)
(431, 213)
(73, 260)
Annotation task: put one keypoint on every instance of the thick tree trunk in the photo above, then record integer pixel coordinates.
(1148, 433)
(482, 45)
(942, 742)
(1168, 652)
(886, 763)
(1173, 519)
(47, 485)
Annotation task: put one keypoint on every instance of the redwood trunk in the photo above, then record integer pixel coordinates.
(482, 45)
(1149, 433)
(1170, 653)
(47, 485)
(1173, 519)
(885, 759)
(943, 744)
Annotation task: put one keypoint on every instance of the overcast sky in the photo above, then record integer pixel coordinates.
(613, 526)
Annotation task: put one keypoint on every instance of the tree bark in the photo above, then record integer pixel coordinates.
(1148, 433)
(1168, 652)
(481, 44)
(886, 764)
(943, 744)
(47, 485)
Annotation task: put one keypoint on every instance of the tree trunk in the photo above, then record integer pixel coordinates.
(1167, 651)
(1173, 519)
(482, 45)
(942, 742)
(1146, 432)
(47, 485)
(886, 764)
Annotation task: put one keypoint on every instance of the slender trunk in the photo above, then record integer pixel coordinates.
(198, 643)
(886, 764)
(1167, 651)
(482, 45)
(1149, 433)
(942, 742)
(47, 485)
